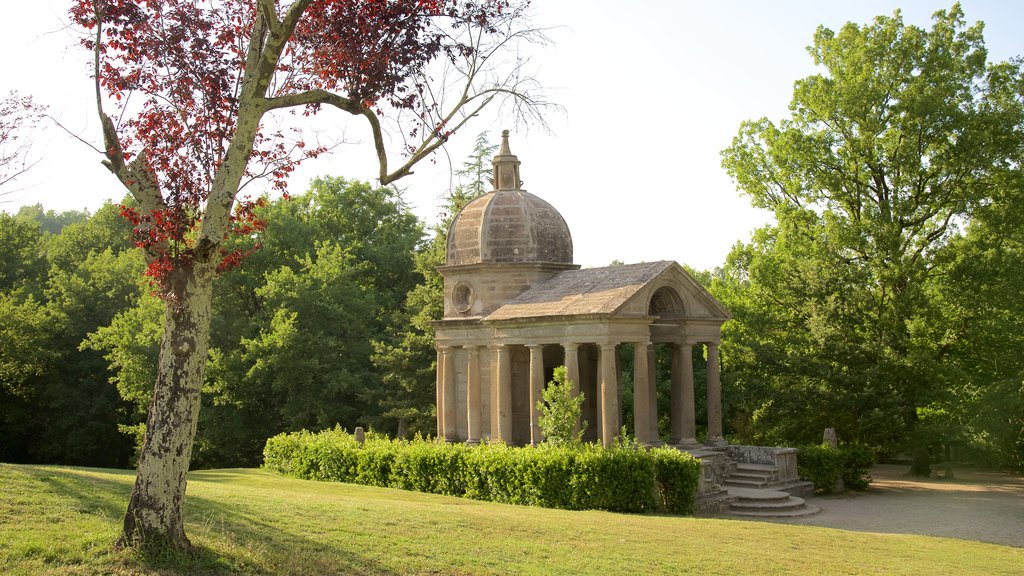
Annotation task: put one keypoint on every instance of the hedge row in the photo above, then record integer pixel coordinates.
(624, 478)
(824, 466)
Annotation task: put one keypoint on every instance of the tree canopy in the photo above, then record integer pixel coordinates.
(887, 157)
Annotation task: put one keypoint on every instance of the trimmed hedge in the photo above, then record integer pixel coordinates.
(824, 466)
(624, 478)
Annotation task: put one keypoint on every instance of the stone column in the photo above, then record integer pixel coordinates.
(473, 415)
(503, 367)
(676, 396)
(439, 384)
(536, 386)
(652, 368)
(609, 394)
(714, 397)
(449, 395)
(641, 393)
(687, 402)
(572, 371)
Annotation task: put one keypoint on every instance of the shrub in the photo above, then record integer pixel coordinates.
(857, 462)
(624, 478)
(824, 466)
(678, 480)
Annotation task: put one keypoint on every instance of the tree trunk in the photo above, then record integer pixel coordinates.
(155, 511)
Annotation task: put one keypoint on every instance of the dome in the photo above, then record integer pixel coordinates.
(508, 224)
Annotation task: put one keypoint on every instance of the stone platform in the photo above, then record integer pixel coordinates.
(757, 481)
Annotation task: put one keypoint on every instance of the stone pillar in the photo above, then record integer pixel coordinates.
(449, 396)
(473, 415)
(652, 368)
(714, 397)
(572, 371)
(641, 393)
(676, 396)
(439, 384)
(503, 368)
(687, 401)
(536, 386)
(609, 395)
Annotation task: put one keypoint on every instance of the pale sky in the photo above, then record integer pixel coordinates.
(652, 92)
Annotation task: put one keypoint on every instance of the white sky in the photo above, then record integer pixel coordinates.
(652, 91)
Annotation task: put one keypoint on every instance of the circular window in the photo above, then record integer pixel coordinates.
(462, 296)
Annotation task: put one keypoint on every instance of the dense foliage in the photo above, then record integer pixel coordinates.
(62, 276)
(882, 301)
(624, 478)
(291, 339)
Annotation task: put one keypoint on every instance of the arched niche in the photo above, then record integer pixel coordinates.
(665, 303)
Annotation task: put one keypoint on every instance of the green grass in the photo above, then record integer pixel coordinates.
(58, 520)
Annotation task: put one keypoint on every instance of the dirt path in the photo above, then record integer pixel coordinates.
(975, 505)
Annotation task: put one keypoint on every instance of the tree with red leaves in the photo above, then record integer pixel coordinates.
(194, 85)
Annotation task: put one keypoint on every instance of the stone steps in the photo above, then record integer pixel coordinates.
(748, 475)
(759, 503)
(741, 482)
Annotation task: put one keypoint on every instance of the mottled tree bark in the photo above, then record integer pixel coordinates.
(155, 511)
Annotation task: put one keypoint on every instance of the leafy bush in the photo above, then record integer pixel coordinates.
(857, 462)
(824, 466)
(678, 479)
(624, 478)
(560, 411)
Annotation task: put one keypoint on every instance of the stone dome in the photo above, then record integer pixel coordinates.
(508, 224)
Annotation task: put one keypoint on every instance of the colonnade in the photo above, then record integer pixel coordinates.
(683, 411)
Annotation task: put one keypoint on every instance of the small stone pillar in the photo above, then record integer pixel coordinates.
(829, 437)
(360, 435)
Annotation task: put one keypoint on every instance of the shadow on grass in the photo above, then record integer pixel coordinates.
(237, 542)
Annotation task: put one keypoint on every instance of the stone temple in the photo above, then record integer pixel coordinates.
(516, 307)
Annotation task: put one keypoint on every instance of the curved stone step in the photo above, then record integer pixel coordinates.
(774, 504)
(768, 504)
(805, 510)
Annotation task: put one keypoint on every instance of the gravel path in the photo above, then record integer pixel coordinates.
(975, 505)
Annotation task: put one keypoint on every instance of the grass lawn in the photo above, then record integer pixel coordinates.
(60, 520)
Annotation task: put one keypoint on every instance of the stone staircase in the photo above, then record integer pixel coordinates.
(760, 492)
(755, 481)
(756, 476)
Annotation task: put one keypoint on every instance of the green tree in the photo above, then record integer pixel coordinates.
(67, 279)
(904, 136)
(22, 262)
(407, 358)
(982, 331)
(560, 410)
